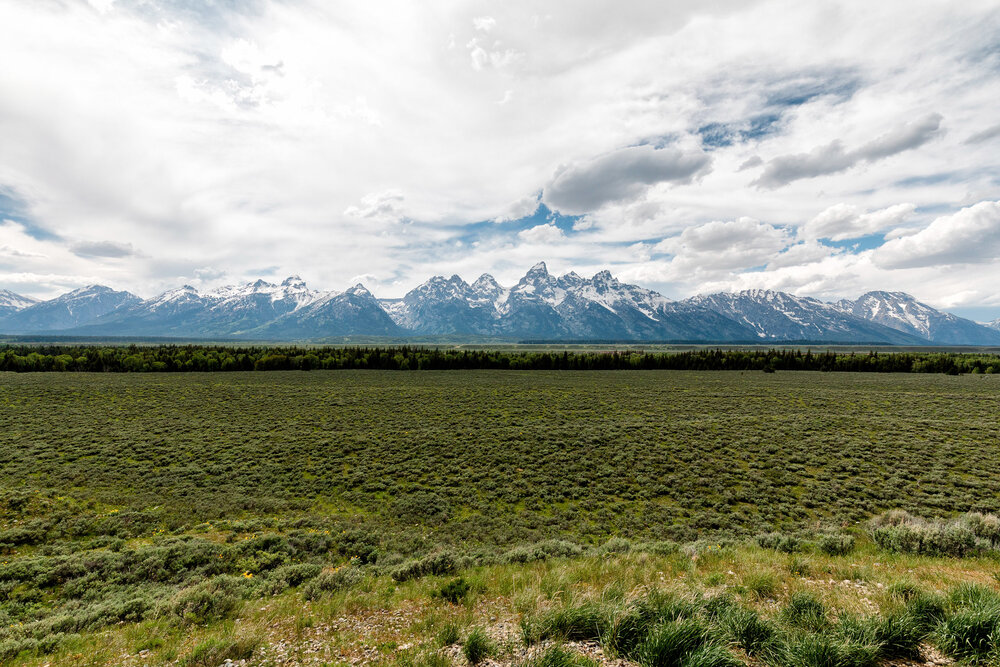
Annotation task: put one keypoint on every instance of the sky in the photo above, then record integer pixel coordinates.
(819, 148)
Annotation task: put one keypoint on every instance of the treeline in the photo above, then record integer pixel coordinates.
(185, 358)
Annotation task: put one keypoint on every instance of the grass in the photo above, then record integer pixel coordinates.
(649, 608)
(172, 518)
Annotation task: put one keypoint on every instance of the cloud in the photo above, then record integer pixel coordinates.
(846, 221)
(234, 135)
(968, 236)
(383, 207)
(625, 173)
(522, 208)
(109, 249)
(833, 158)
(729, 245)
(484, 23)
(984, 135)
(541, 234)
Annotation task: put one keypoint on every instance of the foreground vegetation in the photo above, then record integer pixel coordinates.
(704, 604)
(199, 358)
(376, 516)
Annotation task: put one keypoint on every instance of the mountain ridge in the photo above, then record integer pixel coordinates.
(539, 306)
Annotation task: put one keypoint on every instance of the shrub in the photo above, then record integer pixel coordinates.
(478, 646)
(454, 591)
(442, 562)
(838, 544)
(541, 551)
(616, 545)
(779, 542)
(341, 578)
(294, 575)
(901, 532)
(212, 600)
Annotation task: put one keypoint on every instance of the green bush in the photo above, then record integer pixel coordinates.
(209, 601)
(478, 646)
(442, 562)
(453, 591)
(541, 551)
(837, 544)
(341, 578)
(780, 542)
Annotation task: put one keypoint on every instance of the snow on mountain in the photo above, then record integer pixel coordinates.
(351, 312)
(995, 324)
(11, 302)
(539, 306)
(228, 311)
(779, 316)
(902, 312)
(543, 306)
(67, 311)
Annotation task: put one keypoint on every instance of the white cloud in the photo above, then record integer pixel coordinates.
(283, 134)
(845, 221)
(541, 234)
(969, 236)
(484, 23)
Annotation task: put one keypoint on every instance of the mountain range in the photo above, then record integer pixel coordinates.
(540, 306)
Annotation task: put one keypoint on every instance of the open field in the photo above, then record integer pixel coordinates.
(150, 498)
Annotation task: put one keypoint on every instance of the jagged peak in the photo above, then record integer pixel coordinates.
(358, 290)
(538, 268)
(486, 280)
(604, 277)
(294, 279)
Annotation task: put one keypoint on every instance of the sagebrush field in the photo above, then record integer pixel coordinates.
(168, 499)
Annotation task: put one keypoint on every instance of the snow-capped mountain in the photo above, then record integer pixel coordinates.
(902, 312)
(229, 311)
(543, 306)
(349, 313)
(10, 302)
(780, 316)
(995, 324)
(67, 311)
(540, 306)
